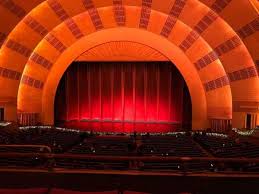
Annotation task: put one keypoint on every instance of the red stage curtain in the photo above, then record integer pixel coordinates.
(125, 92)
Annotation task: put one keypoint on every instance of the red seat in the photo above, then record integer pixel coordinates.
(23, 191)
(62, 191)
(133, 192)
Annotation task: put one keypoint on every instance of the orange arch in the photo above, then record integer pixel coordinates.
(236, 21)
(223, 112)
(35, 11)
(121, 34)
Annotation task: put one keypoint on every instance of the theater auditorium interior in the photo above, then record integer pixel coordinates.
(129, 97)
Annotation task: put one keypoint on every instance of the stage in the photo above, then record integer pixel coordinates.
(123, 97)
(121, 127)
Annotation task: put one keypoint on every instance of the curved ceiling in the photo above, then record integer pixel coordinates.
(219, 37)
(122, 51)
(241, 15)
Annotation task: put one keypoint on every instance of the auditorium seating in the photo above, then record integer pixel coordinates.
(24, 149)
(178, 145)
(24, 191)
(91, 164)
(63, 191)
(31, 162)
(5, 136)
(77, 150)
(103, 146)
(227, 147)
(59, 191)
(58, 141)
(176, 166)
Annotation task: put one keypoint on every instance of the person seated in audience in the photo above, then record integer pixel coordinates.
(237, 140)
(135, 135)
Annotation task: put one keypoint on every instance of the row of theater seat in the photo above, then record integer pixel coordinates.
(227, 148)
(23, 162)
(91, 164)
(58, 140)
(179, 145)
(59, 191)
(103, 146)
(196, 145)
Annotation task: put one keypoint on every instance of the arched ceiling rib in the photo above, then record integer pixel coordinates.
(175, 6)
(61, 28)
(9, 9)
(122, 51)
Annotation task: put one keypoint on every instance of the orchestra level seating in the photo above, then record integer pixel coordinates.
(180, 151)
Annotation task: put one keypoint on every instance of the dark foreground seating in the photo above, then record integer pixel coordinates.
(103, 146)
(225, 147)
(24, 191)
(53, 148)
(59, 191)
(62, 191)
(178, 145)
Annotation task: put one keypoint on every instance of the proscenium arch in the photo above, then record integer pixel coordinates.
(199, 106)
(220, 96)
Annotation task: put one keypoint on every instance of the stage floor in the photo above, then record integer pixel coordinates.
(121, 127)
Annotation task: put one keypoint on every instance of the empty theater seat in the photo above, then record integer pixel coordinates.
(178, 145)
(32, 162)
(91, 164)
(77, 150)
(59, 141)
(24, 191)
(133, 192)
(227, 147)
(62, 191)
(103, 146)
